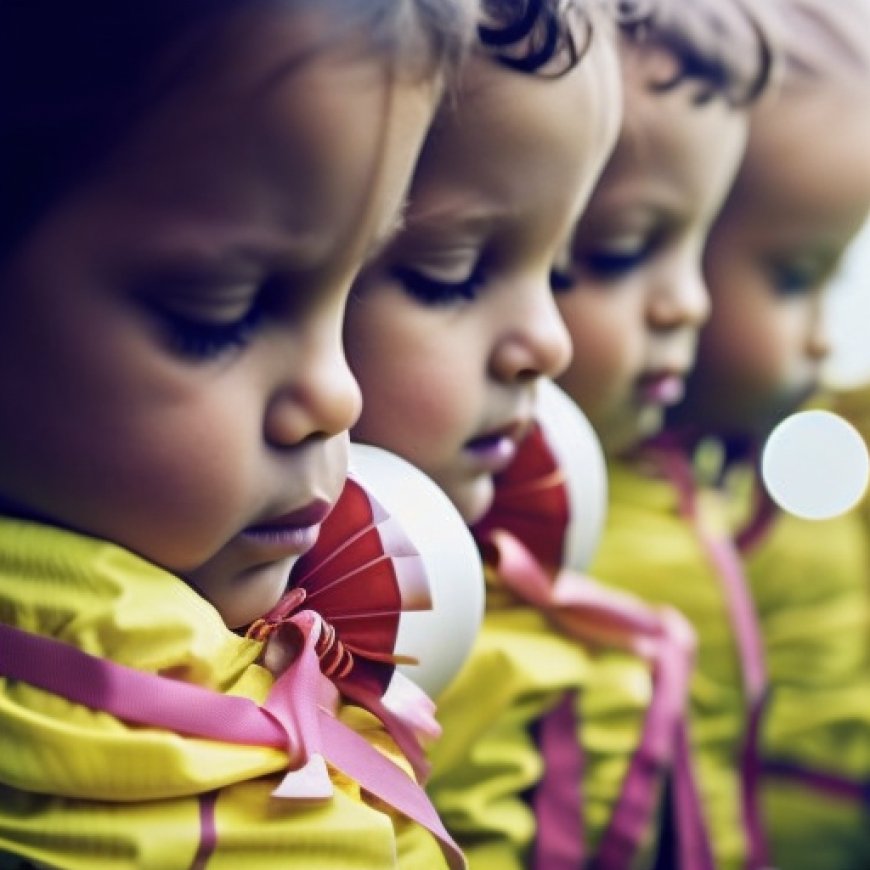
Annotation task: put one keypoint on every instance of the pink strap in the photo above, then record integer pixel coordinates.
(290, 719)
(207, 830)
(833, 785)
(693, 841)
(131, 695)
(557, 800)
(764, 513)
(590, 613)
(664, 747)
(741, 608)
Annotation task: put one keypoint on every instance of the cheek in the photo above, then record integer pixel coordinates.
(748, 377)
(193, 469)
(169, 483)
(607, 354)
(411, 402)
(744, 343)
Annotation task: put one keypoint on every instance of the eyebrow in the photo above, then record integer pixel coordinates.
(453, 216)
(217, 251)
(458, 215)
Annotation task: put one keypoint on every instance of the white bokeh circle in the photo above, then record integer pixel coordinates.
(815, 465)
(578, 451)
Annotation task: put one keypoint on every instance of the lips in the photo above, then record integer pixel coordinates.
(493, 451)
(290, 534)
(664, 388)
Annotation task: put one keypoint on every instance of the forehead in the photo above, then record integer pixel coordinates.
(283, 134)
(806, 174)
(522, 142)
(673, 153)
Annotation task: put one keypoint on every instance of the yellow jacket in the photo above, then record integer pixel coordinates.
(854, 405)
(811, 585)
(570, 711)
(488, 759)
(651, 550)
(82, 789)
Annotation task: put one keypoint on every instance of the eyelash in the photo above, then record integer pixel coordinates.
(202, 341)
(613, 265)
(435, 293)
(794, 282)
(603, 265)
(561, 280)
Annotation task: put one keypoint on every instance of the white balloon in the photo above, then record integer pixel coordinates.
(815, 465)
(441, 638)
(578, 451)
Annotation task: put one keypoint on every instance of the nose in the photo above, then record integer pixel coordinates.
(533, 339)
(679, 297)
(316, 396)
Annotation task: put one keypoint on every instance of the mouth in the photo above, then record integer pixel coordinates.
(663, 388)
(493, 451)
(290, 534)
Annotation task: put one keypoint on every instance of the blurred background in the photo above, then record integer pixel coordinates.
(849, 317)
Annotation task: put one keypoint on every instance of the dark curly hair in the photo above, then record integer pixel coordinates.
(77, 75)
(536, 36)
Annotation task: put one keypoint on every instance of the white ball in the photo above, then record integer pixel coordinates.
(815, 465)
(578, 451)
(440, 639)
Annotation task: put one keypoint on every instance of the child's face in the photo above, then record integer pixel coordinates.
(452, 327)
(631, 290)
(803, 192)
(171, 369)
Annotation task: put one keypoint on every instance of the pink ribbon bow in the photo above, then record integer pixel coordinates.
(355, 583)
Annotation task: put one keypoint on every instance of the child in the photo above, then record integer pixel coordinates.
(802, 193)
(631, 292)
(189, 190)
(483, 213)
(449, 332)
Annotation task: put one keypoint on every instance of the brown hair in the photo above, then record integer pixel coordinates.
(824, 38)
(721, 45)
(77, 75)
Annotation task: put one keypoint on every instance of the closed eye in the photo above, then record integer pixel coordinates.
(201, 340)
(613, 264)
(436, 292)
(796, 280)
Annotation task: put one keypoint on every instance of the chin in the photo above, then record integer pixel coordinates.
(250, 597)
(473, 501)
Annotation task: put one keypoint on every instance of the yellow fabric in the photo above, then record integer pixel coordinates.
(648, 549)
(486, 760)
(854, 405)
(80, 789)
(811, 584)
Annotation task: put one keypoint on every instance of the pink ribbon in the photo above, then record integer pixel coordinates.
(725, 558)
(523, 541)
(291, 718)
(588, 612)
(333, 632)
(405, 710)
(359, 578)
(558, 798)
